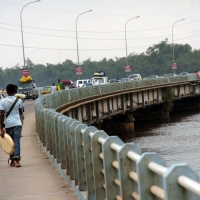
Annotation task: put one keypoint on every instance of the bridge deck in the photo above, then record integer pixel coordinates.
(37, 178)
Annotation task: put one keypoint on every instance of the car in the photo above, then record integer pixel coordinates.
(47, 90)
(135, 77)
(154, 76)
(168, 75)
(81, 83)
(112, 80)
(124, 80)
(183, 73)
(151, 77)
(68, 84)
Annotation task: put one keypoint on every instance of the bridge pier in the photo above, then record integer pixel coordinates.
(122, 124)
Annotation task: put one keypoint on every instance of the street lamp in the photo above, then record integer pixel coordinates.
(173, 40)
(77, 34)
(126, 39)
(22, 29)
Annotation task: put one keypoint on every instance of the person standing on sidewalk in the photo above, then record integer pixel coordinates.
(59, 85)
(13, 123)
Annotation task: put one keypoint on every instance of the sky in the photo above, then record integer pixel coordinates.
(50, 33)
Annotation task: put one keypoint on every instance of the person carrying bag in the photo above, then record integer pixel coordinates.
(12, 107)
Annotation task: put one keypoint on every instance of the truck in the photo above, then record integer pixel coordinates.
(102, 80)
(28, 88)
(100, 76)
(27, 85)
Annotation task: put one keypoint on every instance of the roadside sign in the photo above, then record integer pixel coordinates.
(127, 68)
(79, 70)
(174, 65)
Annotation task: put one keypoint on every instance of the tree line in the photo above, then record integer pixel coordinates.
(156, 60)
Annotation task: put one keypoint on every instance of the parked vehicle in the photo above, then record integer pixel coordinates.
(29, 89)
(124, 80)
(135, 77)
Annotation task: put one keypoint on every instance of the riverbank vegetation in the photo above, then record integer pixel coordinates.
(156, 60)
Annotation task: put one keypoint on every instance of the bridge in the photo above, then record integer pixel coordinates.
(92, 105)
(98, 166)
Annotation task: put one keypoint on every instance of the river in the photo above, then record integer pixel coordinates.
(176, 139)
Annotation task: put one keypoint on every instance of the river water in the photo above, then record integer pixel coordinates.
(176, 139)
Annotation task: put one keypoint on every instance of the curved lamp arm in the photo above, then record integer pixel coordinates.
(173, 37)
(126, 39)
(22, 29)
(77, 34)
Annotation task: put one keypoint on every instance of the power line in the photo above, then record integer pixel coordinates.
(111, 39)
(153, 14)
(56, 49)
(51, 29)
(44, 48)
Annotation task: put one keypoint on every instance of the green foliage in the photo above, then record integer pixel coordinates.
(157, 60)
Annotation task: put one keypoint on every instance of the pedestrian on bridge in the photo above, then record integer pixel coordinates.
(12, 108)
(59, 85)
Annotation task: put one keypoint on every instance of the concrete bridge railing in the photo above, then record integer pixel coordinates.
(103, 166)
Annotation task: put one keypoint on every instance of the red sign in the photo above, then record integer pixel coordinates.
(79, 70)
(25, 72)
(127, 68)
(174, 66)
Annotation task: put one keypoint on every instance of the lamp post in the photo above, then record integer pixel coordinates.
(173, 39)
(126, 39)
(22, 29)
(77, 35)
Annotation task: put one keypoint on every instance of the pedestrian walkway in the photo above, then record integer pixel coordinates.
(37, 179)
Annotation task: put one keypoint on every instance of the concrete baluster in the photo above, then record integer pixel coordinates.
(126, 167)
(55, 136)
(73, 150)
(51, 132)
(173, 190)
(111, 174)
(80, 157)
(99, 180)
(47, 129)
(59, 137)
(88, 161)
(146, 178)
(70, 170)
(63, 141)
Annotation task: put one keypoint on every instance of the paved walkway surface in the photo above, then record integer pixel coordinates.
(37, 179)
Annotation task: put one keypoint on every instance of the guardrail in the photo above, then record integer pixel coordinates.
(54, 100)
(104, 166)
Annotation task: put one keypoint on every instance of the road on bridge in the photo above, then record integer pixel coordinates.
(37, 179)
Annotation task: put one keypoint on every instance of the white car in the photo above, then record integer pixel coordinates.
(81, 83)
(102, 80)
(124, 80)
(135, 77)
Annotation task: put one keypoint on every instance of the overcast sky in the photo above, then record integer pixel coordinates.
(50, 33)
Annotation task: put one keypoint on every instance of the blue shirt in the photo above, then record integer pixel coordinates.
(14, 118)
